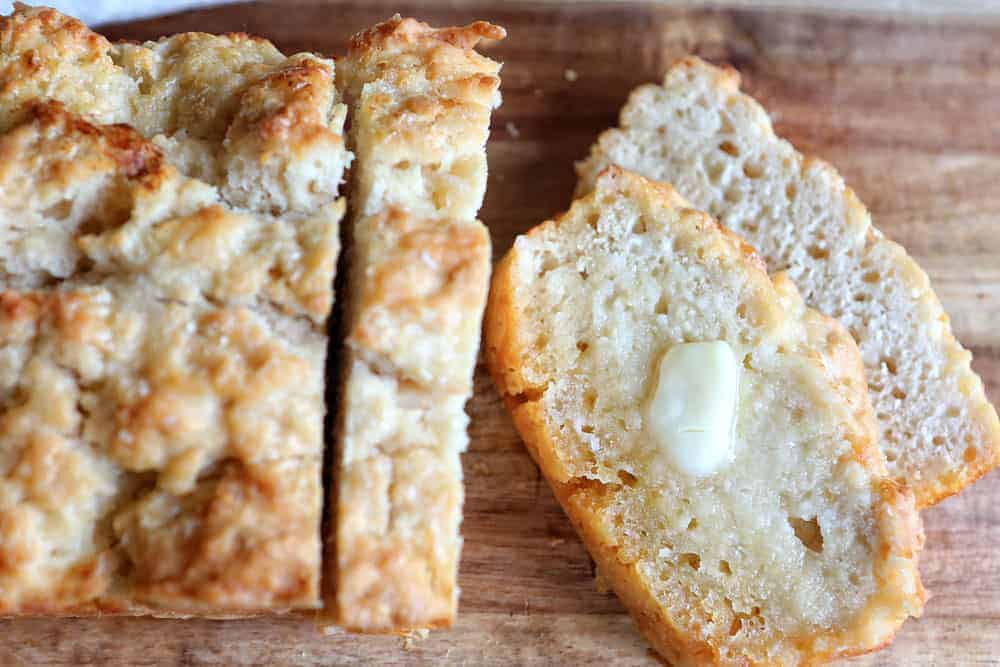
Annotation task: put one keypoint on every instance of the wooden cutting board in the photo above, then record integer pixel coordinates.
(909, 111)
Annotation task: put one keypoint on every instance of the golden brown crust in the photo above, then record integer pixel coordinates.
(44, 53)
(401, 32)
(143, 218)
(164, 287)
(425, 278)
(423, 105)
(512, 365)
(401, 558)
(155, 455)
(420, 261)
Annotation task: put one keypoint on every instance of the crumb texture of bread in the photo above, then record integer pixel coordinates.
(421, 100)
(797, 550)
(169, 232)
(717, 146)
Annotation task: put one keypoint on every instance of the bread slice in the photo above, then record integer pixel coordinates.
(420, 101)
(164, 288)
(717, 147)
(795, 550)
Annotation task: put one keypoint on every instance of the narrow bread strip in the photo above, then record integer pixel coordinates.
(164, 287)
(796, 548)
(420, 100)
(717, 147)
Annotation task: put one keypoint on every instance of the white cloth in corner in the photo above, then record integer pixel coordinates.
(94, 12)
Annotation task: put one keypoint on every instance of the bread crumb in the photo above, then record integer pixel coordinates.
(512, 130)
(571, 75)
(480, 467)
(601, 583)
(414, 636)
(556, 541)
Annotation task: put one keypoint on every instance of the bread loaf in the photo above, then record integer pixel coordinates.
(168, 242)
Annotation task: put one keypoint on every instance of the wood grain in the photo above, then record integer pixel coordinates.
(906, 110)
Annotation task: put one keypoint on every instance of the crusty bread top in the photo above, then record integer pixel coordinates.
(46, 54)
(228, 109)
(79, 201)
(798, 549)
(153, 453)
(164, 287)
(423, 100)
(226, 188)
(718, 148)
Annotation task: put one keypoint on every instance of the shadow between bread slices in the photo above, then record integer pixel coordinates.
(792, 547)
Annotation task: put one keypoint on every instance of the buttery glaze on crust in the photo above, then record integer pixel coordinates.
(421, 101)
(164, 288)
(717, 146)
(675, 549)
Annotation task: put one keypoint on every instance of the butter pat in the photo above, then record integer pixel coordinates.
(691, 414)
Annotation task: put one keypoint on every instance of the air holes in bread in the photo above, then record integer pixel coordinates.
(729, 148)
(817, 252)
(752, 170)
(691, 560)
(627, 478)
(724, 567)
(548, 263)
(662, 305)
(808, 532)
(890, 364)
(715, 171)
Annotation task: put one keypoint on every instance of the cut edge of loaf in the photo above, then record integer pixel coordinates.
(897, 517)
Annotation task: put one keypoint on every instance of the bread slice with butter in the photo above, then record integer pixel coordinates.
(717, 147)
(708, 435)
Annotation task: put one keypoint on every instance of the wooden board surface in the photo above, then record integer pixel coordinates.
(909, 113)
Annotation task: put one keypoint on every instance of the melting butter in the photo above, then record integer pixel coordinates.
(691, 414)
